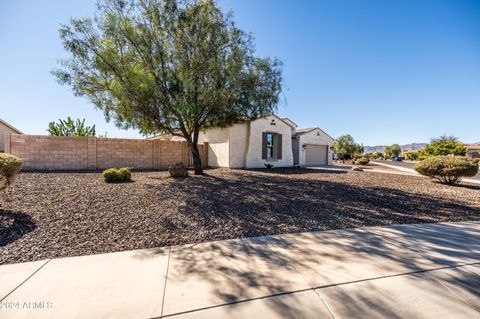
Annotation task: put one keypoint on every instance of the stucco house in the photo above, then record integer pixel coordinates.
(267, 140)
(312, 147)
(473, 150)
(6, 129)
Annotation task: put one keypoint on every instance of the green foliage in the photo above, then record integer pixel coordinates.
(376, 155)
(268, 166)
(69, 127)
(362, 161)
(10, 165)
(442, 146)
(125, 174)
(392, 151)
(358, 149)
(447, 169)
(168, 66)
(116, 175)
(411, 156)
(346, 148)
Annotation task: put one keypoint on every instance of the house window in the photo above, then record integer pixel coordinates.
(270, 146)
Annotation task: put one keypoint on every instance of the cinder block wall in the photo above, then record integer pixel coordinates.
(81, 153)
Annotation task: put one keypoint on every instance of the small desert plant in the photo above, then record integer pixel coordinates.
(9, 167)
(125, 174)
(178, 170)
(362, 161)
(117, 175)
(268, 166)
(447, 169)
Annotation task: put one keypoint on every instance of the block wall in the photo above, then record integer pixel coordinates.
(82, 153)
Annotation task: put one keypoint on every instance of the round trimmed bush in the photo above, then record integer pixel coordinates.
(10, 165)
(125, 174)
(447, 169)
(363, 161)
(115, 175)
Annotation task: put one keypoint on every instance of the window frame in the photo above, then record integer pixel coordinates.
(273, 147)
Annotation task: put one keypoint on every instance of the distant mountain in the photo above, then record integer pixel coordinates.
(410, 147)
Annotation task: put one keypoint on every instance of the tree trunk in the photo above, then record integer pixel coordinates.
(197, 160)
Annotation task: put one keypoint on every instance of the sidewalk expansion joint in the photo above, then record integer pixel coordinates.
(166, 278)
(25, 280)
(318, 287)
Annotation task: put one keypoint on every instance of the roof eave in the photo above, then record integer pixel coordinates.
(11, 126)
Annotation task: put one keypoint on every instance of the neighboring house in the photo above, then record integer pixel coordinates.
(5, 130)
(473, 150)
(267, 140)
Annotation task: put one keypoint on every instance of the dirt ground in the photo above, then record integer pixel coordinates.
(47, 215)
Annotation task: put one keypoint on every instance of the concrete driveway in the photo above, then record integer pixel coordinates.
(403, 271)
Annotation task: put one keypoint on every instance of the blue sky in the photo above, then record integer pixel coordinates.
(383, 71)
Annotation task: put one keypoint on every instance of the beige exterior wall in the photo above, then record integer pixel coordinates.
(313, 138)
(239, 138)
(4, 131)
(240, 145)
(218, 146)
(254, 154)
(80, 153)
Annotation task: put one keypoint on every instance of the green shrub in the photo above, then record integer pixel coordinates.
(376, 155)
(125, 174)
(442, 146)
(411, 156)
(363, 161)
(9, 167)
(447, 169)
(115, 175)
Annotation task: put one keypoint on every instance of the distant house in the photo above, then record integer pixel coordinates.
(266, 140)
(473, 150)
(6, 129)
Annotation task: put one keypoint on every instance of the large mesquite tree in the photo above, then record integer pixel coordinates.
(168, 66)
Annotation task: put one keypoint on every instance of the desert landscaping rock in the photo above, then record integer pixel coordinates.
(48, 215)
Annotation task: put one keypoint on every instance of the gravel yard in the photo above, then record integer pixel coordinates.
(46, 215)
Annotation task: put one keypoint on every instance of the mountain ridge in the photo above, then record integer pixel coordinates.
(380, 148)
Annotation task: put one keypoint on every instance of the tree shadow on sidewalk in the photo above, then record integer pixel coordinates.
(244, 205)
(240, 270)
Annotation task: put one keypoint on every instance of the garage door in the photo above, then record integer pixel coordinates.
(316, 155)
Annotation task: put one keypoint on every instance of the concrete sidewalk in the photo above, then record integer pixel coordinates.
(404, 271)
